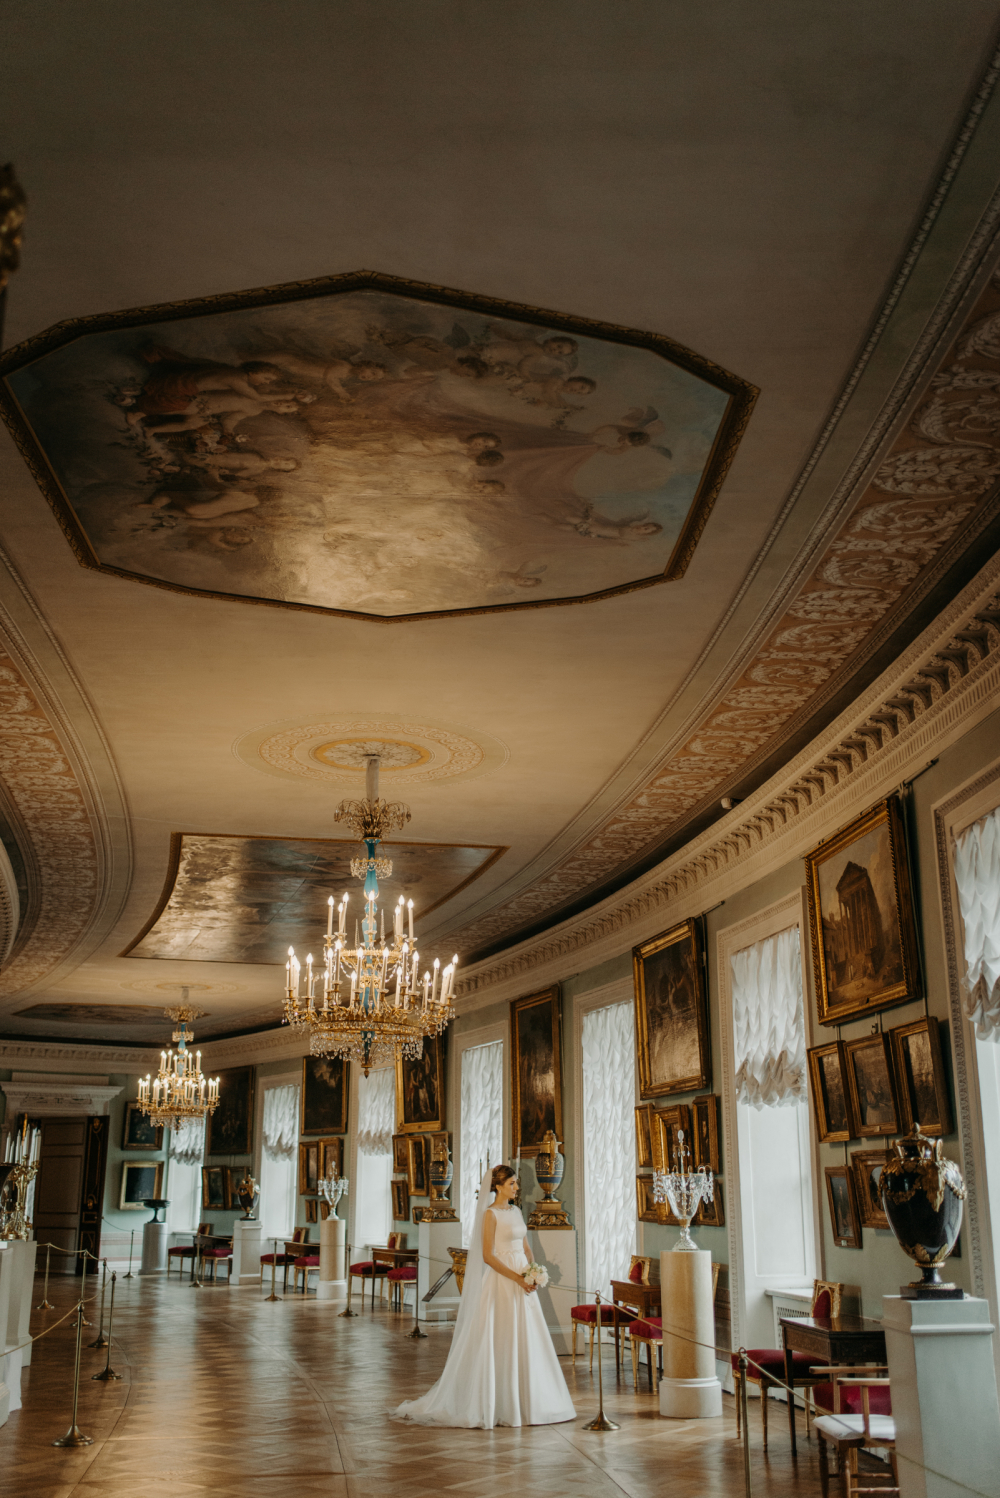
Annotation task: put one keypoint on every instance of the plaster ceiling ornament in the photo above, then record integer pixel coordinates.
(880, 551)
(334, 750)
(377, 447)
(152, 985)
(92, 1014)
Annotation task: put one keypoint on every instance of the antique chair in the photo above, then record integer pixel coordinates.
(368, 1270)
(647, 1331)
(611, 1316)
(398, 1279)
(767, 1364)
(824, 1395)
(850, 1431)
(221, 1253)
(299, 1236)
(302, 1265)
(186, 1250)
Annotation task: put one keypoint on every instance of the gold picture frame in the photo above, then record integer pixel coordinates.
(324, 1100)
(535, 1070)
(845, 1223)
(644, 1134)
(872, 1086)
(310, 1167)
(142, 1181)
(920, 1077)
(705, 1132)
(400, 1201)
(833, 1107)
(400, 1154)
(861, 917)
(420, 1099)
(417, 1165)
(331, 1152)
(711, 1214)
(646, 1208)
(312, 1209)
(139, 1132)
(671, 1012)
(865, 1164)
(666, 1124)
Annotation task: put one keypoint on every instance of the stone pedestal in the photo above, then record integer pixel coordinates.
(433, 1241)
(332, 1260)
(154, 1248)
(555, 1248)
(245, 1268)
(25, 1254)
(10, 1366)
(689, 1389)
(944, 1396)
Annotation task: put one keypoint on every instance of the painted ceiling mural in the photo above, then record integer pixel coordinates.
(941, 469)
(368, 446)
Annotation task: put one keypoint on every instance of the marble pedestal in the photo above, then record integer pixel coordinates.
(433, 1242)
(555, 1248)
(245, 1268)
(10, 1367)
(25, 1254)
(944, 1396)
(689, 1389)
(154, 1248)
(332, 1260)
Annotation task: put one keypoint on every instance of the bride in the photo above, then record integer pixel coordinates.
(502, 1368)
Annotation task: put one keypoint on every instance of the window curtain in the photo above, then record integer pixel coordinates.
(184, 1160)
(373, 1171)
(481, 1123)
(977, 876)
(278, 1162)
(769, 1022)
(608, 1043)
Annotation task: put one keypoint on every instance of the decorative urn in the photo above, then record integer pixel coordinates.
(922, 1194)
(550, 1167)
(248, 1191)
(158, 1205)
(442, 1173)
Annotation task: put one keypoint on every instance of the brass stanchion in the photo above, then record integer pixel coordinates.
(131, 1241)
(743, 1366)
(101, 1340)
(350, 1281)
(600, 1420)
(108, 1373)
(74, 1436)
(45, 1304)
(416, 1335)
(83, 1283)
(274, 1262)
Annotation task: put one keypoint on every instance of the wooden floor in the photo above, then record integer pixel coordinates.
(225, 1394)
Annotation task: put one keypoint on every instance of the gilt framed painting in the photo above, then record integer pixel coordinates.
(420, 1089)
(831, 1096)
(920, 1074)
(536, 1070)
(139, 1132)
(668, 1125)
(671, 1013)
(868, 1166)
(862, 926)
(142, 1181)
(705, 1132)
(400, 1201)
(644, 1134)
(845, 1221)
(324, 1095)
(230, 1127)
(871, 1085)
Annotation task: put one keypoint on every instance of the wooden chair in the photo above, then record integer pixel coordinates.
(367, 1270)
(220, 1254)
(397, 1280)
(285, 1259)
(185, 1251)
(767, 1364)
(849, 1431)
(302, 1265)
(586, 1315)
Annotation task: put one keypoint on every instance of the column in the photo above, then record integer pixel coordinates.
(689, 1389)
(332, 1260)
(944, 1396)
(154, 1248)
(556, 1249)
(433, 1242)
(246, 1252)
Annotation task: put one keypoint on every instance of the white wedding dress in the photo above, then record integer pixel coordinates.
(502, 1368)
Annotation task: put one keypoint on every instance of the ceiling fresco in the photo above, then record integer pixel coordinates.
(367, 446)
(247, 899)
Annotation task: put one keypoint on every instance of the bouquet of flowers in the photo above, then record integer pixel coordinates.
(537, 1275)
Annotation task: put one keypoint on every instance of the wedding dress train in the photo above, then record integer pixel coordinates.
(502, 1368)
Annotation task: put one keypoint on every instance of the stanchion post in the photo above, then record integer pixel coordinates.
(131, 1241)
(45, 1304)
(101, 1340)
(350, 1282)
(274, 1262)
(416, 1335)
(74, 1436)
(743, 1367)
(83, 1283)
(109, 1373)
(600, 1420)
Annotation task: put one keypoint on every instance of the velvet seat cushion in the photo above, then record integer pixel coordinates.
(772, 1360)
(404, 1272)
(216, 1253)
(647, 1326)
(277, 1258)
(589, 1313)
(368, 1267)
(879, 1399)
(307, 1261)
(181, 1253)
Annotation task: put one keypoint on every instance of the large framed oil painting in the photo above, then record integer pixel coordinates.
(671, 1013)
(142, 1181)
(324, 1095)
(138, 1130)
(371, 446)
(420, 1089)
(831, 1095)
(871, 1086)
(536, 1070)
(230, 1127)
(920, 1077)
(864, 938)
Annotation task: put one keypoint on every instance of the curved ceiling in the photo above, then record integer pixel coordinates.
(804, 199)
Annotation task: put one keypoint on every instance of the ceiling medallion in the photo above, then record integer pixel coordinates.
(337, 749)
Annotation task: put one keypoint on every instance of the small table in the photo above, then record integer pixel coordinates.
(833, 1339)
(644, 1300)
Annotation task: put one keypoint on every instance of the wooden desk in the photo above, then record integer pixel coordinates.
(836, 1339)
(644, 1300)
(394, 1257)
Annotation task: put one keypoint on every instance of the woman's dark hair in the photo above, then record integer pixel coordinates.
(500, 1174)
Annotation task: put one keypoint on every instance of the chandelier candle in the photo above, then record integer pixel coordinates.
(383, 1013)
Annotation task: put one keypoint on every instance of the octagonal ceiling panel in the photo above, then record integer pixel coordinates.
(369, 446)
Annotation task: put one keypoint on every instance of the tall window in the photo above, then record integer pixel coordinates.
(185, 1156)
(481, 1123)
(372, 1194)
(278, 1163)
(608, 1043)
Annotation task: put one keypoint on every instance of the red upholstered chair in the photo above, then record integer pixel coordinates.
(220, 1254)
(587, 1316)
(185, 1251)
(855, 1422)
(405, 1274)
(767, 1364)
(303, 1264)
(285, 1259)
(646, 1332)
(366, 1270)
(824, 1400)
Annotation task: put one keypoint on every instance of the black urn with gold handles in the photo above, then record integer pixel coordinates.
(922, 1194)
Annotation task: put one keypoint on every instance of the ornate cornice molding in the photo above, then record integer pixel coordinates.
(49, 1099)
(69, 1057)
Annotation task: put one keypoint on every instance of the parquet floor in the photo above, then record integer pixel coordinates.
(225, 1394)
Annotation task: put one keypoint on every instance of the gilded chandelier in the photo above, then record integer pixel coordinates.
(373, 1006)
(179, 1090)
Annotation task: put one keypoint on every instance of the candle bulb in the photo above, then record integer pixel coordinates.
(329, 916)
(341, 915)
(409, 910)
(381, 916)
(434, 979)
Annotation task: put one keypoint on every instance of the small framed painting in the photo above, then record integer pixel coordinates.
(648, 1209)
(420, 1089)
(400, 1201)
(923, 1090)
(230, 1127)
(535, 1070)
(644, 1134)
(142, 1181)
(213, 1187)
(416, 1164)
(312, 1209)
(438, 1143)
(309, 1168)
(324, 1095)
(331, 1152)
(712, 1214)
(705, 1132)
(871, 1087)
(868, 1166)
(835, 1120)
(139, 1132)
(235, 1174)
(844, 1219)
(671, 1013)
(667, 1124)
(400, 1153)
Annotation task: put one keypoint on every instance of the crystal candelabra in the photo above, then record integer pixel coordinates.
(684, 1190)
(332, 1187)
(369, 1002)
(179, 1090)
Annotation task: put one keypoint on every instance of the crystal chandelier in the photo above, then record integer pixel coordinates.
(179, 1090)
(374, 1007)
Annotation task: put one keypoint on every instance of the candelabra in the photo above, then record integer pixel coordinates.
(684, 1190)
(20, 1170)
(179, 1090)
(332, 1187)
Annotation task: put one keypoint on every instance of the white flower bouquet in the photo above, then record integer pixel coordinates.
(537, 1275)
